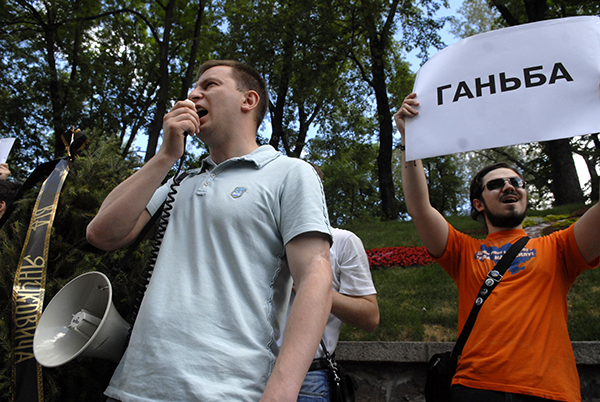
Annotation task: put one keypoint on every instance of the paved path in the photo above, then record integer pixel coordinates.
(534, 231)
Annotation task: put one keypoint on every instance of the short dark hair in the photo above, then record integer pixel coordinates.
(9, 190)
(247, 79)
(476, 188)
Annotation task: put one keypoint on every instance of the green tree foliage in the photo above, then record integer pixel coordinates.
(447, 180)
(374, 55)
(176, 37)
(477, 17)
(444, 180)
(300, 48)
(125, 93)
(349, 172)
(115, 66)
(41, 64)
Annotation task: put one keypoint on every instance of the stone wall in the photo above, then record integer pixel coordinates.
(395, 371)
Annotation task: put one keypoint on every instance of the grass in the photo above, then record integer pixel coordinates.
(421, 303)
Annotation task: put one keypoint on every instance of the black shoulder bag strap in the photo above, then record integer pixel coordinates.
(344, 385)
(493, 279)
(332, 363)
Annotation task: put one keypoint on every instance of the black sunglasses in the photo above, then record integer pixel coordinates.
(496, 184)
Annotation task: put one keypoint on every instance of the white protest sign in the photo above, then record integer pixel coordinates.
(5, 147)
(529, 83)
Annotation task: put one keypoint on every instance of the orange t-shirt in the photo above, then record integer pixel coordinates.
(520, 343)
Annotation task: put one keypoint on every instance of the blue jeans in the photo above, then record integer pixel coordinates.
(315, 387)
(460, 393)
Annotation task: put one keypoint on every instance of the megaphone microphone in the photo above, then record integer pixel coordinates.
(81, 320)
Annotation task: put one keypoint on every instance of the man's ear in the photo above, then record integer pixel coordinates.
(250, 101)
(2, 208)
(478, 204)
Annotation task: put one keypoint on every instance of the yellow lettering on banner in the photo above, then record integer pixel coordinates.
(24, 339)
(28, 288)
(38, 262)
(20, 357)
(27, 297)
(43, 217)
(31, 288)
(24, 301)
(28, 308)
(25, 334)
(29, 281)
(23, 322)
(30, 275)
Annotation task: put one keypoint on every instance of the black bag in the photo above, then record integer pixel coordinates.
(442, 366)
(342, 384)
(440, 370)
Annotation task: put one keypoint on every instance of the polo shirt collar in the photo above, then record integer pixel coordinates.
(260, 157)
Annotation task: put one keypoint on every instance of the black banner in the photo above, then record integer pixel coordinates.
(29, 287)
(30, 278)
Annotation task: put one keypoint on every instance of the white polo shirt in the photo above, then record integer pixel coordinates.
(208, 324)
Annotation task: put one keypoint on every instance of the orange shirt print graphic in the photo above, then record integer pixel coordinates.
(495, 254)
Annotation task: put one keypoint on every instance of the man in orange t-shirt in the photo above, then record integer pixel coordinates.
(519, 349)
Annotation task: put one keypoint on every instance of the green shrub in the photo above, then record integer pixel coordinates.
(552, 218)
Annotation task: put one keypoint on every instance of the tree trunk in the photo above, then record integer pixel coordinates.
(389, 207)
(378, 44)
(277, 112)
(54, 87)
(595, 189)
(163, 86)
(565, 184)
(190, 73)
(277, 109)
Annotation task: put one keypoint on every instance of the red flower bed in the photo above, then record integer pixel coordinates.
(398, 257)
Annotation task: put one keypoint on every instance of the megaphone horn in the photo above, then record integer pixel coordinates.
(80, 320)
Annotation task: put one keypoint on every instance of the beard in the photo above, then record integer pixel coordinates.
(506, 220)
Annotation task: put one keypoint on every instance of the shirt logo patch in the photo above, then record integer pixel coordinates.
(495, 254)
(238, 192)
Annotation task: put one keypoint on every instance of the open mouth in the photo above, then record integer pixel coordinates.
(509, 200)
(202, 112)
